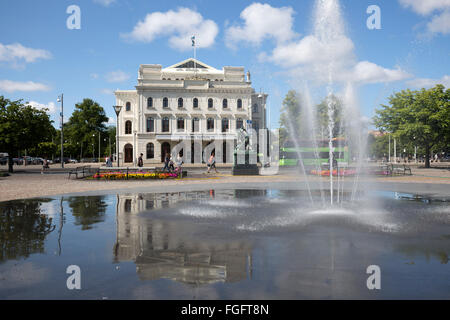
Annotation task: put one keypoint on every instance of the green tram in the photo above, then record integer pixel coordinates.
(290, 155)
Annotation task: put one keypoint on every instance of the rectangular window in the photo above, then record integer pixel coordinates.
(165, 125)
(150, 125)
(180, 124)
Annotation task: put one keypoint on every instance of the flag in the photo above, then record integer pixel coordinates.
(193, 41)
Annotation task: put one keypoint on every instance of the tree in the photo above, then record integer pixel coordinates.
(46, 149)
(292, 113)
(378, 146)
(421, 116)
(290, 116)
(323, 118)
(86, 123)
(21, 127)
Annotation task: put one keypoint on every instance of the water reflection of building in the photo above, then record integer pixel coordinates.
(174, 249)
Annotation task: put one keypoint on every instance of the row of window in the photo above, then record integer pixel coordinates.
(181, 124)
(165, 103)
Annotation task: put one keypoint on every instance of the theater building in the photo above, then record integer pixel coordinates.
(188, 100)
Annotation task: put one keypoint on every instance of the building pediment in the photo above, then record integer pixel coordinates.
(191, 63)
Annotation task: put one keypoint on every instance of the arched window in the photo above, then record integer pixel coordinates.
(149, 102)
(239, 123)
(180, 102)
(165, 102)
(210, 124)
(180, 124)
(224, 103)
(150, 151)
(255, 108)
(225, 125)
(210, 103)
(128, 106)
(150, 124)
(195, 125)
(239, 104)
(165, 124)
(128, 127)
(195, 103)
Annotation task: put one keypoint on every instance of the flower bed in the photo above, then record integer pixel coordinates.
(344, 172)
(133, 175)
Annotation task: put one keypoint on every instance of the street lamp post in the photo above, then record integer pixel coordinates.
(99, 147)
(93, 147)
(61, 99)
(117, 110)
(415, 150)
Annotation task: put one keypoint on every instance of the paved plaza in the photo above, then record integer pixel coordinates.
(28, 182)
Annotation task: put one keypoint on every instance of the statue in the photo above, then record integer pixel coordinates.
(248, 75)
(243, 138)
(244, 156)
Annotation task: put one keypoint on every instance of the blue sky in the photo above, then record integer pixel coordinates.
(276, 40)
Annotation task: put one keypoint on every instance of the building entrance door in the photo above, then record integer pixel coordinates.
(128, 153)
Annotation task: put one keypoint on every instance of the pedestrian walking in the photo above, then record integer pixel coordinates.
(179, 163)
(212, 163)
(140, 161)
(166, 162)
(171, 162)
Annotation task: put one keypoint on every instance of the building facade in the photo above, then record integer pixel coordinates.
(188, 101)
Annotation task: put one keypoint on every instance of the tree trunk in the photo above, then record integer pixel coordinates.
(10, 163)
(427, 156)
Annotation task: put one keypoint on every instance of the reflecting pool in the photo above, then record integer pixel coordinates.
(224, 244)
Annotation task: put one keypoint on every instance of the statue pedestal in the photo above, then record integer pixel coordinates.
(246, 168)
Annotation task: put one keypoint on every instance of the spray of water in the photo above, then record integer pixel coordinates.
(329, 32)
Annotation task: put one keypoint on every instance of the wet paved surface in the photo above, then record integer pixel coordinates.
(225, 244)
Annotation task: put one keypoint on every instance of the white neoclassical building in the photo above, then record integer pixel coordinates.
(188, 101)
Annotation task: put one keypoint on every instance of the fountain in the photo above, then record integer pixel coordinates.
(328, 34)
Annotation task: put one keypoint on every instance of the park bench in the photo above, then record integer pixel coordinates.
(80, 170)
(401, 169)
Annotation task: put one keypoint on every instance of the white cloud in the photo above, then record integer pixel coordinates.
(328, 54)
(105, 3)
(12, 86)
(107, 91)
(262, 21)
(111, 120)
(17, 53)
(368, 72)
(94, 75)
(179, 26)
(311, 50)
(440, 23)
(425, 7)
(428, 83)
(50, 106)
(117, 76)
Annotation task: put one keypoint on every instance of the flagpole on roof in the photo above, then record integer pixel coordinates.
(195, 57)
